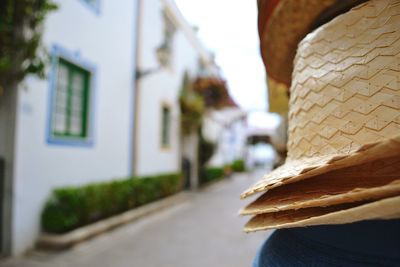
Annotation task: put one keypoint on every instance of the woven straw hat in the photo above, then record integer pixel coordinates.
(282, 34)
(387, 208)
(283, 23)
(344, 126)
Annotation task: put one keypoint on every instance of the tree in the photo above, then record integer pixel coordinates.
(21, 23)
(21, 26)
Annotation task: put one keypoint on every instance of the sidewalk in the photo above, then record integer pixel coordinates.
(203, 231)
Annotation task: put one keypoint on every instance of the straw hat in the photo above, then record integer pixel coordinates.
(283, 23)
(344, 126)
(387, 208)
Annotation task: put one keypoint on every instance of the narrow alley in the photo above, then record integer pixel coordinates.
(203, 231)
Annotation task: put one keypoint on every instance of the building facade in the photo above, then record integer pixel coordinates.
(76, 125)
(227, 128)
(168, 48)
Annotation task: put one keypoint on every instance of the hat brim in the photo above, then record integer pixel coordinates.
(387, 208)
(317, 198)
(296, 170)
(367, 181)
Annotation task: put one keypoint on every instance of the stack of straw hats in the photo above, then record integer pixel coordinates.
(343, 161)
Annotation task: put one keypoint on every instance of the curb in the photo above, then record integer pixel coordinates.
(63, 241)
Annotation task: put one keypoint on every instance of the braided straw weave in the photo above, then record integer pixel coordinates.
(345, 95)
(379, 179)
(289, 23)
(387, 208)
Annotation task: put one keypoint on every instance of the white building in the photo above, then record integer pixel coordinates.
(227, 128)
(75, 126)
(168, 48)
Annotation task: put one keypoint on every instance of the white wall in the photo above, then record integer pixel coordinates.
(106, 40)
(162, 86)
(228, 129)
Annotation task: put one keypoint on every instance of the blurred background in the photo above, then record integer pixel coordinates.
(144, 117)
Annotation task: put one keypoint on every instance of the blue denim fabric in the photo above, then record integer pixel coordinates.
(362, 244)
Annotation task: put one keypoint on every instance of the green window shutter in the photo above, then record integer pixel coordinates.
(70, 109)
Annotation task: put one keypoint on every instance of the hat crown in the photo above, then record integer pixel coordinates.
(345, 90)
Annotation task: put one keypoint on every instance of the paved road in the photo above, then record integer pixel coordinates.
(203, 231)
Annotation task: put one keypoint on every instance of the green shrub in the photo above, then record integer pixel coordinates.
(211, 174)
(205, 151)
(71, 207)
(238, 166)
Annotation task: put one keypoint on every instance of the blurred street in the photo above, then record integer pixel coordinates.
(203, 231)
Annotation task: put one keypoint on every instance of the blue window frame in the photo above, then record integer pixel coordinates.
(93, 5)
(71, 99)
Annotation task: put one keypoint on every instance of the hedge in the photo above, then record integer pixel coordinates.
(238, 166)
(211, 174)
(71, 207)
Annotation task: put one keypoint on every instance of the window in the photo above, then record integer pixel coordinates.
(71, 100)
(94, 5)
(93, 2)
(166, 127)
